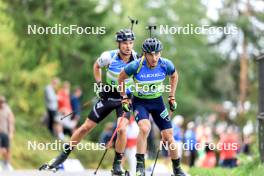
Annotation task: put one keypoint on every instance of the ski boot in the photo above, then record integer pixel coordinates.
(118, 171)
(140, 168)
(56, 163)
(178, 172)
(140, 171)
(49, 167)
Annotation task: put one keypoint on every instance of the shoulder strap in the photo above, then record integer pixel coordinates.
(140, 64)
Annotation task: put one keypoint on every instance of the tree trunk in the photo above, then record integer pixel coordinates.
(243, 85)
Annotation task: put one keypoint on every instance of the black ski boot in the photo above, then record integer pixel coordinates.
(177, 170)
(55, 163)
(118, 171)
(117, 168)
(140, 169)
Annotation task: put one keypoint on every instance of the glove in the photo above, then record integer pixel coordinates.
(126, 104)
(172, 103)
(99, 91)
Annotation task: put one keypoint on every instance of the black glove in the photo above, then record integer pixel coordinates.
(126, 106)
(100, 91)
(172, 103)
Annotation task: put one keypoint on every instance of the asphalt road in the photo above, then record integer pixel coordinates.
(61, 173)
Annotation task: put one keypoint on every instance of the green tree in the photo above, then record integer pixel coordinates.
(248, 18)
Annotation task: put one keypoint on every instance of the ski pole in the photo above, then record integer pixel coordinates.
(109, 144)
(170, 114)
(95, 172)
(155, 161)
(70, 114)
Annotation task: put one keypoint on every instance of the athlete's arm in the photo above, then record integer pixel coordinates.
(173, 84)
(103, 61)
(121, 82)
(172, 73)
(97, 71)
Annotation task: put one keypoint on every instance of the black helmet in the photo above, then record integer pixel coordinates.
(152, 45)
(125, 35)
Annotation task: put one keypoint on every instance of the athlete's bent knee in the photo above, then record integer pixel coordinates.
(144, 129)
(168, 137)
(122, 131)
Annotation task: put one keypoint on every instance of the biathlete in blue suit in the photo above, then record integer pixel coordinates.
(148, 74)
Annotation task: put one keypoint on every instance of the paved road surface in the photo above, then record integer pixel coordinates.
(60, 173)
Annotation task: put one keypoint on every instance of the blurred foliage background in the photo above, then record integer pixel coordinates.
(212, 69)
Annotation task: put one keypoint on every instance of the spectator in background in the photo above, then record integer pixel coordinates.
(229, 147)
(7, 129)
(209, 158)
(107, 133)
(75, 104)
(248, 137)
(131, 146)
(51, 103)
(64, 105)
(177, 123)
(190, 140)
(64, 108)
